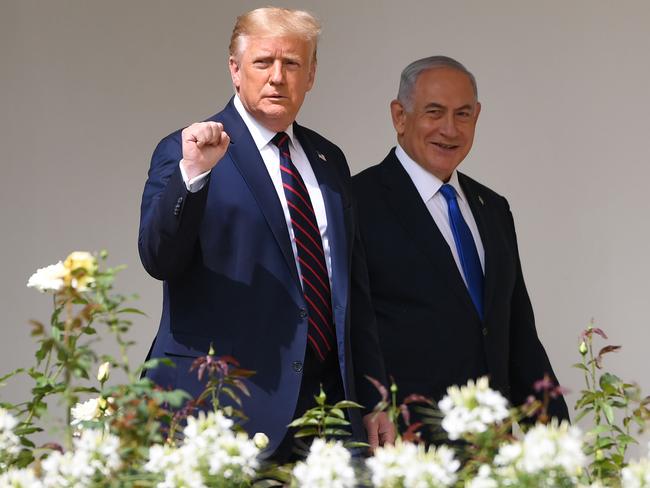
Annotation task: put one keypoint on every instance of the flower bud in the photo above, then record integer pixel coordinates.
(260, 440)
(393, 388)
(583, 348)
(211, 352)
(103, 372)
(599, 455)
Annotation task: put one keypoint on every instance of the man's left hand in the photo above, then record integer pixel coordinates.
(380, 430)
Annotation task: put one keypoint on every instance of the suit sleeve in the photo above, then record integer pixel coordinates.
(528, 359)
(366, 351)
(170, 216)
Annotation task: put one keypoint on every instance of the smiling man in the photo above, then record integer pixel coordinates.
(445, 277)
(247, 218)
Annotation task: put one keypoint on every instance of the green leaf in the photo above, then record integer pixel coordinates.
(347, 404)
(336, 421)
(302, 421)
(335, 432)
(580, 366)
(306, 433)
(604, 443)
(337, 412)
(609, 411)
(599, 429)
(355, 444)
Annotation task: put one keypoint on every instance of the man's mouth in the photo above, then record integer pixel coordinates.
(447, 147)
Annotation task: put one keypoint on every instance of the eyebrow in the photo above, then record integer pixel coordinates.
(467, 106)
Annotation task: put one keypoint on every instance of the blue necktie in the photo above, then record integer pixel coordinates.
(466, 248)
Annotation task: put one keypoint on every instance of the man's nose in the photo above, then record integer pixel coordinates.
(276, 76)
(448, 126)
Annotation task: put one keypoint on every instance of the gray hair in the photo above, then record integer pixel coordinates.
(411, 73)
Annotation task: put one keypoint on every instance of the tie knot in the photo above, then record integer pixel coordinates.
(281, 139)
(448, 192)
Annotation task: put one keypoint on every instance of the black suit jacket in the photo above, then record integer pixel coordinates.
(230, 276)
(430, 333)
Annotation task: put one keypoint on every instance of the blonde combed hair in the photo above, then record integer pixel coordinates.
(275, 22)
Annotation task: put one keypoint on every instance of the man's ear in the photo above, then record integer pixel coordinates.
(312, 75)
(398, 115)
(478, 111)
(233, 65)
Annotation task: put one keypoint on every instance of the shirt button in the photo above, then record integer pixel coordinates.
(485, 331)
(303, 313)
(297, 366)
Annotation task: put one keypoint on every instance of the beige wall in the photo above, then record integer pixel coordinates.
(88, 88)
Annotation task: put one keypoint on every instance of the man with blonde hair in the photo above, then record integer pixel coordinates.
(247, 217)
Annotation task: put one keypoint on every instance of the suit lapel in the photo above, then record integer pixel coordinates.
(406, 202)
(330, 188)
(483, 218)
(247, 159)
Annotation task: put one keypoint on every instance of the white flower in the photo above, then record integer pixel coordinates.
(327, 465)
(472, 408)
(483, 479)
(409, 465)
(9, 442)
(545, 448)
(86, 411)
(95, 454)
(19, 478)
(211, 450)
(50, 278)
(636, 474)
(261, 440)
(103, 372)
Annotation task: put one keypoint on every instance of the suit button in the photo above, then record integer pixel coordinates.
(485, 331)
(303, 313)
(297, 366)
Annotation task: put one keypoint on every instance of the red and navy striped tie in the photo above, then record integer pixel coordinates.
(311, 257)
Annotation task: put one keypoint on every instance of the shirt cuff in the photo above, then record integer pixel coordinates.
(195, 184)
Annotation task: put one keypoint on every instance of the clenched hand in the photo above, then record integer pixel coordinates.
(204, 144)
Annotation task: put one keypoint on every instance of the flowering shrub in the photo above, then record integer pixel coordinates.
(472, 409)
(327, 466)
(211, 455)
(135, 434)
(406, 464)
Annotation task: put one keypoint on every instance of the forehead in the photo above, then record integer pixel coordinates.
(444, 86)
(261, 44)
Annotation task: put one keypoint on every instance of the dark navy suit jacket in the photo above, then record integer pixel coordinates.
(430, 332)
(230, 276)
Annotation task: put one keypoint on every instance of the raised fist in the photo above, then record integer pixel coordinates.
(204, 144)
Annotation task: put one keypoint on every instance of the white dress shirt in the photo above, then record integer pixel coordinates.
(427, 186)
(271, 157)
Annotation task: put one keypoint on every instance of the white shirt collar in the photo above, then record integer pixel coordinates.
(261, 135)
(426, 183)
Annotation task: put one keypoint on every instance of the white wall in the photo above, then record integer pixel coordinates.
(88, 88)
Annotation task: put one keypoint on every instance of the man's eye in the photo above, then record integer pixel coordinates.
(261, 63)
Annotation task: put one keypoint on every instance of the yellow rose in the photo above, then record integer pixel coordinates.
(82, 266)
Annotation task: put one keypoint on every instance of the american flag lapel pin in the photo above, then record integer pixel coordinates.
(322, 156)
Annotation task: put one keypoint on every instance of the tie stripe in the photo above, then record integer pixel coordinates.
(311, 256)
